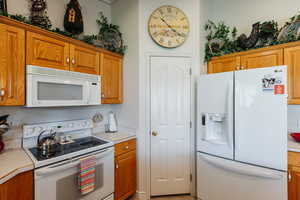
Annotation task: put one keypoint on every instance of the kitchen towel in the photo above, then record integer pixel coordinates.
(87, 174)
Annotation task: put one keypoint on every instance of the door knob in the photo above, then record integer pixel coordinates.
(154, 133)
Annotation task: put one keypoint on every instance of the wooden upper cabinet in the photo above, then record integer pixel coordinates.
(261, 59)
(84, 60)
(47, 52)
(111, 70)
(292, 60)
(12, 66)
(224, 64)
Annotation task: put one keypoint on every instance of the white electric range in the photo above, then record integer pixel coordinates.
(56, 175)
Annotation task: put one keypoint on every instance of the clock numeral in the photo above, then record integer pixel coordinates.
(155, 34)
(177, 41)
(169, 43)
(161, 11)
(154, 17)
(182, 18)
(169, 9)
(161, 40)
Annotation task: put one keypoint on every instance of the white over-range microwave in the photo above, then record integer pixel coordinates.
(48, 87)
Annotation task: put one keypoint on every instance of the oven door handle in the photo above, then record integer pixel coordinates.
(71, 163)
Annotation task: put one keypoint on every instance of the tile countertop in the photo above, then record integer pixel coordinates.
(13, 162)
(117, 137)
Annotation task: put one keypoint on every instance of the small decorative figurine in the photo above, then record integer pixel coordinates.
(249, 42)
(73, 21)
(38, 15)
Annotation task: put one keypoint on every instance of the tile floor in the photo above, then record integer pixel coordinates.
(179, 197)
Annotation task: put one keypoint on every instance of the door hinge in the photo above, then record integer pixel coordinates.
(191, 124)
(191, 177)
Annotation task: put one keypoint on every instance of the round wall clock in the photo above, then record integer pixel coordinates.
(169, 26)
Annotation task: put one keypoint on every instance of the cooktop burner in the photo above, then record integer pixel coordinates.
(63, 149)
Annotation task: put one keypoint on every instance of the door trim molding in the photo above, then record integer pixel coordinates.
(144, 147)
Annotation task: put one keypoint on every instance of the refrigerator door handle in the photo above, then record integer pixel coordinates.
(230, 114)
(249, 171)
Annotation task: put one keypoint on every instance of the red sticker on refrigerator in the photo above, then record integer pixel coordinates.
(278, 89)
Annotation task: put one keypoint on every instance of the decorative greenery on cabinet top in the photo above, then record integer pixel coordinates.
(222, 39)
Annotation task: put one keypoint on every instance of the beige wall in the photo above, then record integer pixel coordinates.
(244, 13)
(56, 10)
(125, 13)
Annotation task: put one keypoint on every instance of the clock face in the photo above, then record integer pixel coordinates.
(169, 26)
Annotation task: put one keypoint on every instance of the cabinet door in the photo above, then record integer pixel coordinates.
(125, 175)
(224, 64)
(111, 70)
(84, 60)
(267, 58)
(19, 187)
(292, 60)
(12, 66)
(47, 52)
(294, 183)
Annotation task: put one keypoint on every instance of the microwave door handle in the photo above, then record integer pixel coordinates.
(88, 100)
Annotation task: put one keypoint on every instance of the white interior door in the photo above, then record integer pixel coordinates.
(170, 125)
(215, 114)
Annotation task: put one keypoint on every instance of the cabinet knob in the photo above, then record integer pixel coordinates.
(102, 95)
(242, 67)
(126, 147)
(68, 60)
(238, 68)
(289, 176)
(73, 61)
(2, 94)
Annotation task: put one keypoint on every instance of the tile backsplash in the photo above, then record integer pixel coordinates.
(20, 116)
(293, 121)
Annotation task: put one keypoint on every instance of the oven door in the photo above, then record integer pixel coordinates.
(47, 91)
(60, 181)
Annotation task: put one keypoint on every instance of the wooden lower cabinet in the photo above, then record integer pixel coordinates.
(111, 70)
(125, 171)
(293, 176)
(12, 66)
(19, 187)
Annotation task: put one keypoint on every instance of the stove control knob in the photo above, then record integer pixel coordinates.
(71, 125)
(85, 124)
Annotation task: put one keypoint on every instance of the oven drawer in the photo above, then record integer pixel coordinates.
(125, 147)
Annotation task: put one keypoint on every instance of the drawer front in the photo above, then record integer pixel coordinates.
(294, 159)
(125, 147)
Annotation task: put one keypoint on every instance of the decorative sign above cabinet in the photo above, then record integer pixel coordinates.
(168, 26)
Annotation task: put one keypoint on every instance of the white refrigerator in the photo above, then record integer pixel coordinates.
(241, 135)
